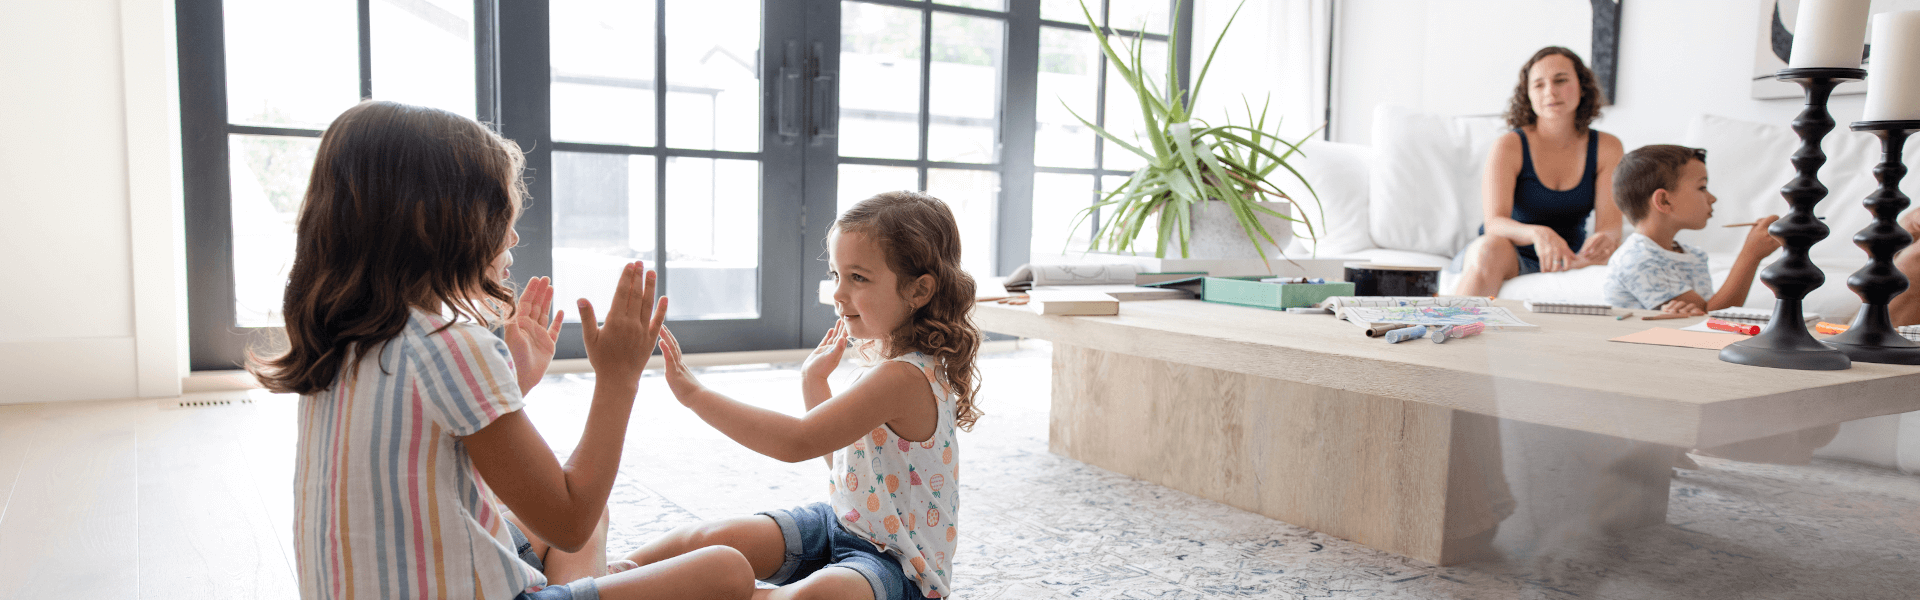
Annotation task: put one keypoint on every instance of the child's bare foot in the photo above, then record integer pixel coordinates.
(621, 565)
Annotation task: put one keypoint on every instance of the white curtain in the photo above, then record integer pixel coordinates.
(1275, 53)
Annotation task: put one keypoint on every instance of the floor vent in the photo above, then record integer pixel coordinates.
(179, 403)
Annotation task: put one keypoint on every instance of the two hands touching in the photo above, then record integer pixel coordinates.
(1556, 256)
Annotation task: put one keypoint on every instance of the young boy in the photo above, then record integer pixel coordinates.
(1662, 189)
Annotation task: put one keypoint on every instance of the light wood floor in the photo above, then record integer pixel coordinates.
(139, 499)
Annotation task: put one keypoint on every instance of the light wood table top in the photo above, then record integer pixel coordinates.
(1565, 375)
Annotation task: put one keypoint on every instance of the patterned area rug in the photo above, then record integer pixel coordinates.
(1037, 526)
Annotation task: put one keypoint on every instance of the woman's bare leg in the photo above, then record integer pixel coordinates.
(757, 537)
(1904, 309)
(1491, 261)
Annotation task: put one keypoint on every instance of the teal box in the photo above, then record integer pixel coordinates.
(1274, 296)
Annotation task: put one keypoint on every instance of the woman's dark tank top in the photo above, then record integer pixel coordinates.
(1565, 211)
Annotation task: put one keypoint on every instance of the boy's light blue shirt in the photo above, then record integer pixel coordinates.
(1643, 275)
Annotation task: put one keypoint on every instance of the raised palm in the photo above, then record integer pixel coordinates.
(532, 333)
(826, 357)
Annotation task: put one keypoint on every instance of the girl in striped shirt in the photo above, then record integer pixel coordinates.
(418, 476)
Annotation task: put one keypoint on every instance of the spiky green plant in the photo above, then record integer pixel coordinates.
(1190, 160)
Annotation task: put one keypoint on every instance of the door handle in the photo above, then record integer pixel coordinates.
(826, 98)
(786, 88)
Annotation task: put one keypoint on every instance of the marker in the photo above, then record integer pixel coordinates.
(1666, 316)
(1733, 327)
(1753, 223)
(1623, 316)
(1406, 333)
(1826, 328)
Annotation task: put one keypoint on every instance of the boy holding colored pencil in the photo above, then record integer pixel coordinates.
(1662, 189)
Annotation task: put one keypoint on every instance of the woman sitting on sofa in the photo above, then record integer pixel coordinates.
(1543, 179)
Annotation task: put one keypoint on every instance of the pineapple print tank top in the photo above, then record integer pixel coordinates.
(902, 495)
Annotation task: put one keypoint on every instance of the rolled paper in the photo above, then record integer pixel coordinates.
(1440, 337)
(1893, 73)
(1406, 333)
(1829, 34)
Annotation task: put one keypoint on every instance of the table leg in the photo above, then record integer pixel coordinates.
(1411, 478)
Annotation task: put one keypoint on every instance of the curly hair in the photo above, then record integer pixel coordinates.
(919, 236)
(1520, 108)
(407, 207)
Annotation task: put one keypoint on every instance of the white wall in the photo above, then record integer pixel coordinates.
(89, 171)
(1677, 60)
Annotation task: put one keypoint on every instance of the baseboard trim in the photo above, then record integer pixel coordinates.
(222, 381)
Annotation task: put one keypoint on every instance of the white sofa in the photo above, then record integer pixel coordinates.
(1413, 198)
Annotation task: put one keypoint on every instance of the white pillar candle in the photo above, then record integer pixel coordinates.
(1893, 72)
(1829, 34)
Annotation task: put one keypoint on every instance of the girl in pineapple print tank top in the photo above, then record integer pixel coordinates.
(890, 521)
(903, 496)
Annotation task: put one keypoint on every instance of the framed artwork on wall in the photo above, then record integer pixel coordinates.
(1775, 43)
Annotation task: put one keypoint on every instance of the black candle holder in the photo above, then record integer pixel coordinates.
(1784, 343)
(1872, 338)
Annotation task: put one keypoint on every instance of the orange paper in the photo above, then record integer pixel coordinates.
(1661, 336)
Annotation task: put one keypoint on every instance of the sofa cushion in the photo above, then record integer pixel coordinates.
(1748, 163)
(1338, 173)
(1425, 183)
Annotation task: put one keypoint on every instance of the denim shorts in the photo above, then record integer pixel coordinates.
(583, 589)
(815, 540)
(1528, 264)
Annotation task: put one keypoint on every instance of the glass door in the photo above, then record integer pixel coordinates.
(660, 150)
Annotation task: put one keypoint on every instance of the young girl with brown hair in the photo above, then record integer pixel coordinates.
(411, 435)
(890, 526)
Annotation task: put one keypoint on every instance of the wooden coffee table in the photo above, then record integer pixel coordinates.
(1426, 450)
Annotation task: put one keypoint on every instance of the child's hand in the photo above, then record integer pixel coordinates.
(532, 333)
(619, 349)
(826, 357)
(679, 378)
(1759, 242)
(1683, 307)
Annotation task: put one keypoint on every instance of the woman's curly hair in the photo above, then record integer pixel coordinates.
(919, 236)
(1520, 109)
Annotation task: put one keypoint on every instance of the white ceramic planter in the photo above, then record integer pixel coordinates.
(1217, 234)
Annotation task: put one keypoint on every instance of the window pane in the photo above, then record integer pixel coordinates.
(603, 217)
(1123, 106)
(968, 58)
(985, 4)
(713, 238)
(972, 196)
(1069, 69)
(291, 64)
(860, 182)
(1068, 10)
(423, 53)
(269, 178)
(879, 81)
(602, 54)
(713, 77)
(1152, 15)
(1057, 200)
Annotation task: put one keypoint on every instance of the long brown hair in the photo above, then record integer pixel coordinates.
(919, 236)
(1520, 110)
(407, 207)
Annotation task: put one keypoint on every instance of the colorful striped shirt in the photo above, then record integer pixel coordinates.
(387, 504)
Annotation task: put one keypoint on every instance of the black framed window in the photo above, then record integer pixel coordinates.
(718, 154)
(260, 80)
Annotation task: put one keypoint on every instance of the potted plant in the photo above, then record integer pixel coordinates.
(1195, 170)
